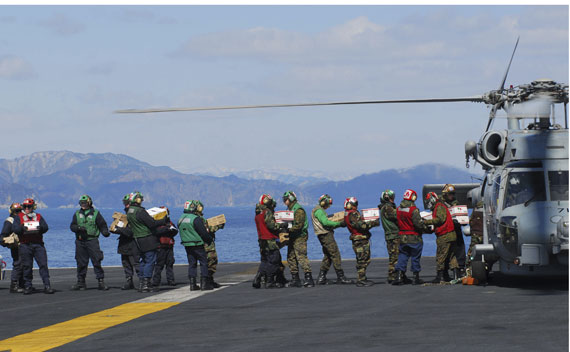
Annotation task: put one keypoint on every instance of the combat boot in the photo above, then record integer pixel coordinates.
(129, 284)
(405, 279)
(295, 281)
(281, 279)
(438, 278)
(48, 290)
(364, 283)
(270, 282)
(214, 283)
(417, 280)
(101, 285)
(399, 280)
(193, 285)
(145, 286)
(341, 279)
(445, 276)
(171, 283)
(14, 287)
(257, 280)
(79, 286)
(456, 274)
(322, 279)
(309, 280)
(28, 290)
(205, 284)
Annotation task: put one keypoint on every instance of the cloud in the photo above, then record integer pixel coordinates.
(62, 25)
(15, 68)
(102, 68)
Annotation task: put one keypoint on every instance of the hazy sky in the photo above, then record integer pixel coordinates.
(65, 69)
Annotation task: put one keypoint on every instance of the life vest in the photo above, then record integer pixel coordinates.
(263, 232)
(448, 225)
(405, 223)
(87, 219)
(139, 229)
(32, 235)
(305, 229)
(188, 234)
(353, 232)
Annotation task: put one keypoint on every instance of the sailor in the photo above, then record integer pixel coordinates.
(8, 235)
(87, 223)
(324, 231)
(30, 227)
(128, 250)
(445, 238)
(360, 237)
(298, 236)
(448, 195)
(268, 235)
(391, 231)
(411, 228)
(143, 225)
(476, 225)
(211, 253)
(193, 236)
(165, 253)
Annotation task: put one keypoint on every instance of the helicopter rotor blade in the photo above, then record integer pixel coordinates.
(501, 88)
(435, 100)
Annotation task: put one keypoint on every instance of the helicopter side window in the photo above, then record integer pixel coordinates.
(524, 188)
(558, 181)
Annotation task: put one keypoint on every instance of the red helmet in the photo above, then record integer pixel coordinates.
(29, 203)
(410, 194)
(265, 199)
(350, 203)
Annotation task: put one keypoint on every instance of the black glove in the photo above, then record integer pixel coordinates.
(342, 224)
(283, 227)
(81, 229)
(106, 234)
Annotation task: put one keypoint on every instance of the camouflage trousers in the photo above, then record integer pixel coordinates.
(445, 253)
(297, 255)
(212, 256)
(331, 254)
(393, 248)
(475, 239)
(362, 250)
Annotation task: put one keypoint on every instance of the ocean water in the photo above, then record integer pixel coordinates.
(236, 242)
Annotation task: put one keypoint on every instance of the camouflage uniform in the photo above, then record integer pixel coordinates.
(324, 231)
(446, 243)
(459, 242)
(210, 249)
(361, 243)
(298, 236)
(476, 224)
(390, 225)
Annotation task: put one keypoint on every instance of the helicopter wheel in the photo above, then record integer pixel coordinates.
(479, 269)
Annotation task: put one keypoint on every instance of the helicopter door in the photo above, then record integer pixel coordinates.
(491, 199)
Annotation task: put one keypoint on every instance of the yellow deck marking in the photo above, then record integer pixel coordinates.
(59, 334)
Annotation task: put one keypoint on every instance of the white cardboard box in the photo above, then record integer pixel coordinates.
(370, 214)
(284, 216)
(427, 215)
(157, 213)
(460, 214)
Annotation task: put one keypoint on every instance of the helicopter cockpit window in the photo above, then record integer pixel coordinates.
(558, 181)
(524, 188)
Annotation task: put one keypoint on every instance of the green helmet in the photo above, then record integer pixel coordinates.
(388, 195)
(289, 195)
(325, 200)
(85, 199)
(136, 197)
(193, 206)
(126, 198)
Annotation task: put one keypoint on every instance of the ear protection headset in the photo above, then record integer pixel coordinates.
(325, 200)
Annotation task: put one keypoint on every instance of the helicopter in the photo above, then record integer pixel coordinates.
(525, 186)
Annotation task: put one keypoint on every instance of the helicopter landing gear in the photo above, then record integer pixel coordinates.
(479, 270)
